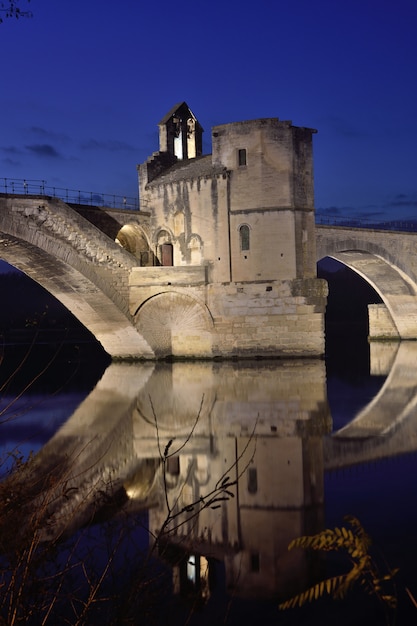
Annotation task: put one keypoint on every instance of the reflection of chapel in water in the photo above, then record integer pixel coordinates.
(260, 426)
(261, 423)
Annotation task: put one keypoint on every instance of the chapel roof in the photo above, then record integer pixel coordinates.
(179, 107)
(187, 169)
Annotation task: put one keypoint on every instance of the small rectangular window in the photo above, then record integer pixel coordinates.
(254, 563)
(252, 480)
(242, 157)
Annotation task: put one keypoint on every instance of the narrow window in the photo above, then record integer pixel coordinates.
(252, 480)
(254, 563)
(241, 156)
(244, 237)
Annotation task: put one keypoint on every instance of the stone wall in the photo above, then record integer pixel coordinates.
(180, 314)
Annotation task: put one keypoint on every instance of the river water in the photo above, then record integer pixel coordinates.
(206, 471)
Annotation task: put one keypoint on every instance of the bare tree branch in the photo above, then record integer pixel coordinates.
(12, 8)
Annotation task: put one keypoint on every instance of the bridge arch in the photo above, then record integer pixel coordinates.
(80, 266)
(382, 268)
(331, 241)
(79, 295)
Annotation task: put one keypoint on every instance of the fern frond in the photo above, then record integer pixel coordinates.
(390, 600)
(329, 586)
(356, 543)
(354, 574)
(325, 540)
(331, 540)
(358, 530)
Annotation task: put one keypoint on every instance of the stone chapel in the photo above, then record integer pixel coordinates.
(230, 267)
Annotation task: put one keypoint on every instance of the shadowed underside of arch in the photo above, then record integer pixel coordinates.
(398, 291)
(87, 302)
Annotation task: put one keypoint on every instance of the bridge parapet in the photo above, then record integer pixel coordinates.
(53, 215)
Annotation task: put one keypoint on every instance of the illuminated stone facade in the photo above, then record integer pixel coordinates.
(231, 242)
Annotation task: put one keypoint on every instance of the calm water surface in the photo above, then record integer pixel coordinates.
(307, 443)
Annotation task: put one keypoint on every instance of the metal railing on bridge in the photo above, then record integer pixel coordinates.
(113, 201)
(363, 222)
(70, 196)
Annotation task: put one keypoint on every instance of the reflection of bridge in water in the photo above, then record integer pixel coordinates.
(266, 425)
(387, 426)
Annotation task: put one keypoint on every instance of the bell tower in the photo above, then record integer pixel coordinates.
(180, 133)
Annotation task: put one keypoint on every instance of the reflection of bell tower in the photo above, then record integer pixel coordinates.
(180, 134)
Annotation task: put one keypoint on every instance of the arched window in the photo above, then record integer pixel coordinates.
(244, 234)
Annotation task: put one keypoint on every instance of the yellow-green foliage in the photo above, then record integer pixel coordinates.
(355, 543)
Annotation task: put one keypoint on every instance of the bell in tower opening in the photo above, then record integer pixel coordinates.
(180, 133)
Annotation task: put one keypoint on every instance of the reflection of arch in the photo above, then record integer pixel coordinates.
(133, 239)
(175, 324)
(188, 394)
(394, 402)
(386, 427)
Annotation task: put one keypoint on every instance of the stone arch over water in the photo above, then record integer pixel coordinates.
(395, 288)
(85, 300)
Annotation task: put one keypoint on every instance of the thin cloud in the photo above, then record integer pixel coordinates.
(48, 134)
(43, 150)
(402, 200)
(11, 162)
(109, 145)
(346, 212)
(370, 215)
(330, 210)
(11, 150)
(345, 128)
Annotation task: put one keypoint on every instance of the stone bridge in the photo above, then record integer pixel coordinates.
(77, 262)
(85, 257)
(387, 260)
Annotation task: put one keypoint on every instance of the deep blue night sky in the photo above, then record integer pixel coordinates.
(86, 83)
